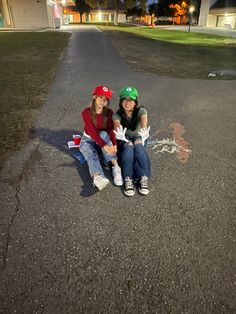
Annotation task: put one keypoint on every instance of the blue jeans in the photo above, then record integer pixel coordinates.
(134, 159)
(91, 151)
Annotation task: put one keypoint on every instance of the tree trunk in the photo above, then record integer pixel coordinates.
(81, 18)
(116, 12)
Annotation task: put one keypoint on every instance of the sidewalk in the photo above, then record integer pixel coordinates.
(184, 28)
(197, 29)
(12, 30)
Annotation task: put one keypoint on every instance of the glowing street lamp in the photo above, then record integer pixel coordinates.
(191, 9)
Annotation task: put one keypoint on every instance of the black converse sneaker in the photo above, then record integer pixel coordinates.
(128, 187)
(143, 185)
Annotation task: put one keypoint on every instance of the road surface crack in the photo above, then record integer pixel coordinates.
(35, 155)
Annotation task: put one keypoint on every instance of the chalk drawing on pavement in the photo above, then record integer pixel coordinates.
(176, 144)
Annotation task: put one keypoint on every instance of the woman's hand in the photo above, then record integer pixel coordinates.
(144, 133)
(110, 149)
(120, 133)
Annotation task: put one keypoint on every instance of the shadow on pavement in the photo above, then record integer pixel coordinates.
(59, 139)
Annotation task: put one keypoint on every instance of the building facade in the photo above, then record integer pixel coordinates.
(31, 14)
(35, 14)
(102, 15)
(218, 13)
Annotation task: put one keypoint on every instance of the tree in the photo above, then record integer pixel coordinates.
(98, 4)
(82, 7)
(153, 8)
(117, 2)
(196, 4)
(85, 6)
(135, 8)
(173, 7)
(163, 8)
(129, 4)
(180, 9)
(104, 4)
(134, 12)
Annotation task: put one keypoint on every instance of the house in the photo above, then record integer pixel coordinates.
(106, 15)
(103, 14)
(31, 14)
(218, 13)
(35, 14)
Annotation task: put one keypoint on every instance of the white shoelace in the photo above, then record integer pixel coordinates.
(128, 184)
(144, 183)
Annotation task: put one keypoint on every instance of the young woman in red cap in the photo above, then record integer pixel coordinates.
(98, 136)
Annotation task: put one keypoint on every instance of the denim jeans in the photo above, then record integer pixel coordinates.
(91, 151)
(134, 159)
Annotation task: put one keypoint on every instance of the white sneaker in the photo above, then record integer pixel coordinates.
(116, 172)
(100, 182)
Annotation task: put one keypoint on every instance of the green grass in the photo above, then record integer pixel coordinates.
(106, 24)
(175, 54)
(173, 36)
(27, 62)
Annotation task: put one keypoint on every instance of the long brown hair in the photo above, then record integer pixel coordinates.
(130, 124)
(94, 114)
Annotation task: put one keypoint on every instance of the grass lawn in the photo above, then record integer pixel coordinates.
(174, 53)
(175, 36)
(27, 62)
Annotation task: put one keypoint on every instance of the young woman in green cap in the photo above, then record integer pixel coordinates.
(131, 130)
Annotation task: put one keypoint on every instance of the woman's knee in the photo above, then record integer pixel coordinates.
(104, 135)
(87, 150)
(128, 151)
(128, 148)
(138, 141)
(138, 146)
(129, 145)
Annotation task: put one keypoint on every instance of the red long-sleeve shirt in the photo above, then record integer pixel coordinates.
(93, 130)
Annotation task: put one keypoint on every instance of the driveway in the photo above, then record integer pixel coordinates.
(66, 248)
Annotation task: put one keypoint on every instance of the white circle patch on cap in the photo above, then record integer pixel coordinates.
(129, 89)
(105, 89)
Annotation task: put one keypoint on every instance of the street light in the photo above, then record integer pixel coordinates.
(191, 9)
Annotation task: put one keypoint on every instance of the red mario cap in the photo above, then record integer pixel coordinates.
(103, 91)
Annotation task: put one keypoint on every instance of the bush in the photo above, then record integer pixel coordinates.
(163, 22)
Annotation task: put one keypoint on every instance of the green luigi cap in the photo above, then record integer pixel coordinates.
(130, 92)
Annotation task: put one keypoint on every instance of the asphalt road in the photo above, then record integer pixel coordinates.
(66, 248)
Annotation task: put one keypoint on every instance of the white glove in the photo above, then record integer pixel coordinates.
(120, 134)
(144, 133)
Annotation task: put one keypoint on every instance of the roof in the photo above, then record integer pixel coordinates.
(222, 4)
